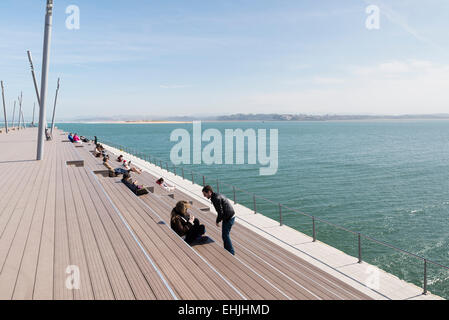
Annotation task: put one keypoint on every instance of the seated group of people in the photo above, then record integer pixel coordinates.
(74, 138)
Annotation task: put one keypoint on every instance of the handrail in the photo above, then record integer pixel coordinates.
(157, 160)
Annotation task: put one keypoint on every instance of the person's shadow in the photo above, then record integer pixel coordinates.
(204, 240)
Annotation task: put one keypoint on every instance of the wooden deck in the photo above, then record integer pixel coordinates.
(56, 219)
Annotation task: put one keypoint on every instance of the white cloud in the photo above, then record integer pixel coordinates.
(395, 87)
(174, 86)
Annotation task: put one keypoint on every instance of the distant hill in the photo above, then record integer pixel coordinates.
(305, 117)
(265, 117)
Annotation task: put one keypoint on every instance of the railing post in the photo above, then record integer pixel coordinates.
(255, 207)
(193, 182)
(174, 170)
(204, 181)
(280, 214)
(149, 158)
(218, 187)
(233, 189)
(360, 247)
(166, 166)
(314, 229)
(183, 173)
(425, 276)
(161, 166)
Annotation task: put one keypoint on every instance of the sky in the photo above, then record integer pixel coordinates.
(200, 57)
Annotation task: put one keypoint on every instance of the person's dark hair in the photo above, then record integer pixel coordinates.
(206, 189)
(126, 176)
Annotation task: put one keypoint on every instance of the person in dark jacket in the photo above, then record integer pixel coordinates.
(225, 214)
(186, 225)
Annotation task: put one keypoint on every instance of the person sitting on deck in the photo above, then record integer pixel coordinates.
(165, 185)
(186, 225)
(47, 134)
(128, 167)
(70, 137)
(112, 172)
(120, 158)
(133, 185)
(99, 151)
(76, 139)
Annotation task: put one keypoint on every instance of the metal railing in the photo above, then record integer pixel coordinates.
(281, 207)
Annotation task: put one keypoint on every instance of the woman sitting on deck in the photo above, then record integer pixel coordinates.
(133, 185)
(165, 185)
(120, 158)
(70, 137)
(128, 167)
(186, 225)
(76, 139)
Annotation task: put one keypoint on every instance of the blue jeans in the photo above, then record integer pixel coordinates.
(225, 231)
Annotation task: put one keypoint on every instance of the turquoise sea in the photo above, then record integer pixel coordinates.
(386, 179)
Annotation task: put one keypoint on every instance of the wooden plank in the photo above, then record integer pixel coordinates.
(25, 280)
(17, 232)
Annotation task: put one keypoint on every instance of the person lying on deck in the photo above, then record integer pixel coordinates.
(70, 137)
(133, 185)
(186, 225)
(128, 167)
(165, 185)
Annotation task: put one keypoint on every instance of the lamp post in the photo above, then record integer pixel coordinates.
(54, 110)
(4, 107)
(20, 110)
(45, 69)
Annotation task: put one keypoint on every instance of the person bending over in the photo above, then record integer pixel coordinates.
(186, 225)
(225, 214)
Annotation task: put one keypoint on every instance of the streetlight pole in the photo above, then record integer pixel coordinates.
(4, 107)
(34, 108)
(20, 109)
(54, 110)
(45, 69)
(13, 114)
(34, 77)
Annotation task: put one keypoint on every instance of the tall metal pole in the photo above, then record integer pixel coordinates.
(34, 108)
(13, 113)
(23, 121)
(4, 107)
(45, 69)
(34, 77)
(20, 109)
(54, 110)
